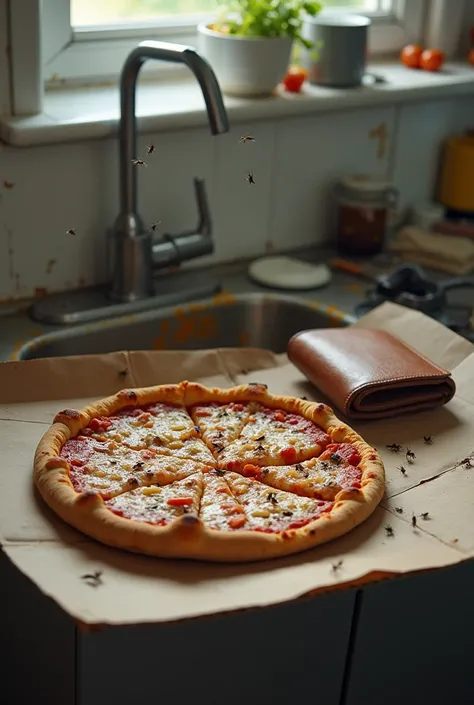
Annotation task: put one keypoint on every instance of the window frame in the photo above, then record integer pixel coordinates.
(106, 49)
(60, 59)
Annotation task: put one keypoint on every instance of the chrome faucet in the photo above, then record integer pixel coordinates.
(135, 256)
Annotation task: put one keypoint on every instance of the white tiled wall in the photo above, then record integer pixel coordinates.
(293, 162)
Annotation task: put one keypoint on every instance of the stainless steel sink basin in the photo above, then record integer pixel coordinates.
(256, 320)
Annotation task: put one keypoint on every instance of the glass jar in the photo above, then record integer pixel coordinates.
(363, 205)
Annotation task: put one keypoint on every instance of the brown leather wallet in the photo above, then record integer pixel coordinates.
(369, 374)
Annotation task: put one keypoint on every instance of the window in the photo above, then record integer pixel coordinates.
(86, 41)
(98, 35)
(119, 13)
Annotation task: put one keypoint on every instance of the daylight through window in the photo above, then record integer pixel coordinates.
(104, 13)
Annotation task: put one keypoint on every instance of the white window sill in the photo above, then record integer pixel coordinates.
(91, 113)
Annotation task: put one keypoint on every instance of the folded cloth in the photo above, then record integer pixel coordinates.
(369, 374)
(447, 253)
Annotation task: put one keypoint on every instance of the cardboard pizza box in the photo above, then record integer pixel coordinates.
(134, 633)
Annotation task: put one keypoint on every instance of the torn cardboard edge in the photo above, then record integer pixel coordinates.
(55, 557)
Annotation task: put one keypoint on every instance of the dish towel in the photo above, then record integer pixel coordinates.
(446, 253)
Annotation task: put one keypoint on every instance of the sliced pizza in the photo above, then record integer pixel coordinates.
(218, 474)
(109, 469)
(321, 478)
(219, 508)
(274, 437)
(272, 510)
(160, 505)
(160, 427)
(221, 424)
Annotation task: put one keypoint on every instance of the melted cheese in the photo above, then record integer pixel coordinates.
(159, 427)
(264, 439)
(122, 470)
(313, 478)
(220, 424)
(157, 505)
(270, 509)
(219, 509)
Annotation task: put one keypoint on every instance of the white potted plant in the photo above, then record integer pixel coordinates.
(249, 45)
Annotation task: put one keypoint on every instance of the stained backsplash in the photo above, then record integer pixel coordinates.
(45, 191)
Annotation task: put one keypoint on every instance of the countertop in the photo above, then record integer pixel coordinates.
(340, 296)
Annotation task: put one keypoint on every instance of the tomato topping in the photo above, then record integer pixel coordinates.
(233, 465)
(101, 424)
(237, 522)
(288, 454)
(238, 407)
(251, 470)
(344, 451)
(203, 412)
(232, 508)
(180, 501)
(77, 462)
(279, 416)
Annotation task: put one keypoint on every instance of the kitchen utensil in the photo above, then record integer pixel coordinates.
(409, 286)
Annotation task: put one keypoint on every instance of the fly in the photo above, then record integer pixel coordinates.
(249, 178)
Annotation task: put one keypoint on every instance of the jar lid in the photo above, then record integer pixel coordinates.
(365, 186)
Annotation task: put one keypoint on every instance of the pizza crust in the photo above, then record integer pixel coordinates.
(188, 536)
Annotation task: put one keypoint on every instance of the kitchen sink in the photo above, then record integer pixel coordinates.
(254, 320)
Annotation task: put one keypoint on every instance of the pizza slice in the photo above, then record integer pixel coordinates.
(161, 427)
(274, 437)
(220, 424)
(321, 478)
(270, 510)
(109, 469)
(160, 505)
(219, 508)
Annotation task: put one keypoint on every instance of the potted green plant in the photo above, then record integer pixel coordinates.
(249, 45)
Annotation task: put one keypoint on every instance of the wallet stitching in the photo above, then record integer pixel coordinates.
(386, 381)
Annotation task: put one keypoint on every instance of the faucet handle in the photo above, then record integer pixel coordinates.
(174, 249)
(204, 212)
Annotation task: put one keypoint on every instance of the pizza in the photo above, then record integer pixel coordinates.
(187, 471)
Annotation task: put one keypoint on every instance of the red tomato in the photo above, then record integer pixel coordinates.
(410, 56)
(432, 60)
(180, 501)
(288, 455)
(294, 79)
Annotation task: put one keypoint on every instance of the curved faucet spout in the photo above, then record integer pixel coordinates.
(160, 51)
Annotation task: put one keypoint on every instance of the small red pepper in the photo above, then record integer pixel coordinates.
(180, 501)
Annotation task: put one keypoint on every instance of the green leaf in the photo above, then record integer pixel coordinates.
(268, 18)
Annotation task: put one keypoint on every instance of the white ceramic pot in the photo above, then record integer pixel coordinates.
(245, 66)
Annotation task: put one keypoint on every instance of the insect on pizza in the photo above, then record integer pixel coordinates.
(187, 471)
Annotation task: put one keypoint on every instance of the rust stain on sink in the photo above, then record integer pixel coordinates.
(224, 297)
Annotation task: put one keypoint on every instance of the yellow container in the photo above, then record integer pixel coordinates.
(456, 187)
